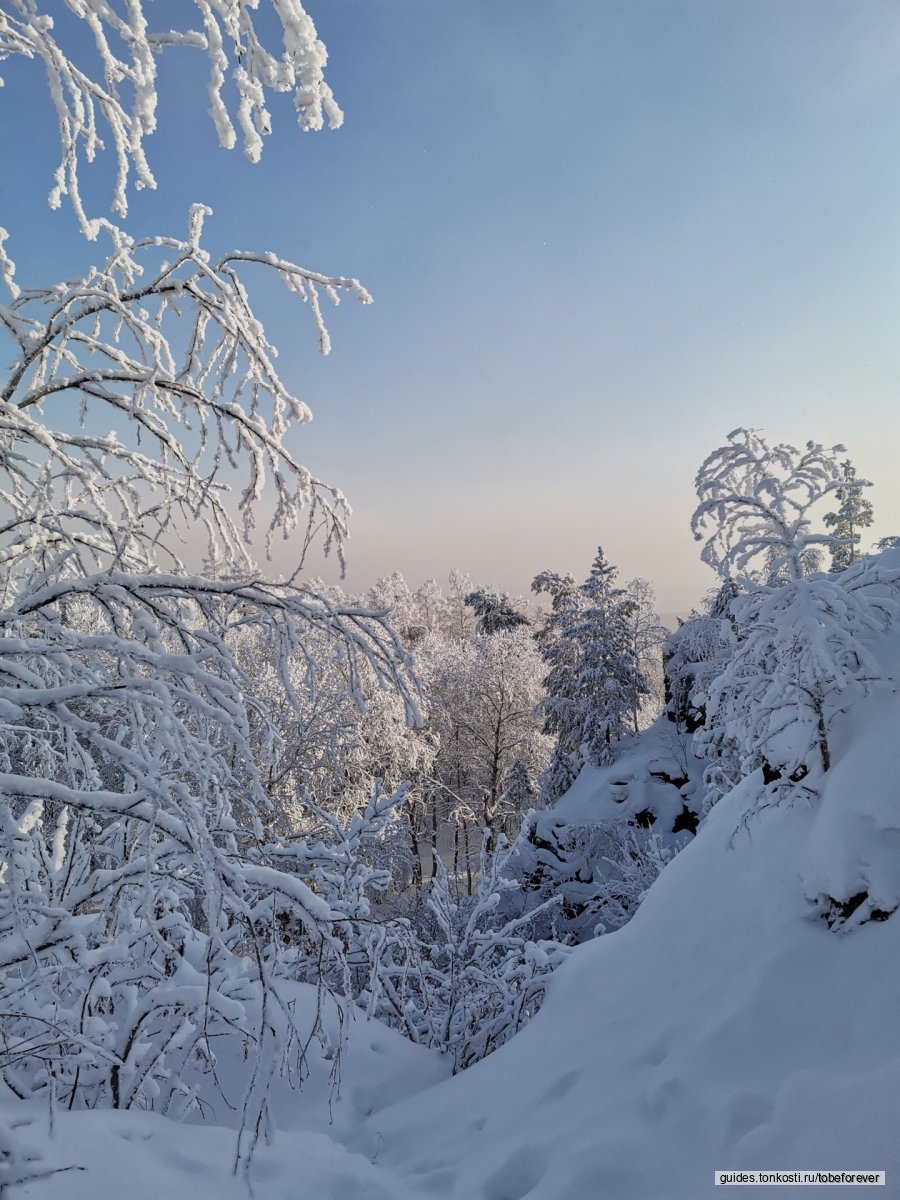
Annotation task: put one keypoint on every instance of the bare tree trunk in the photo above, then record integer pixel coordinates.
(414, 846)
(456, 853)
(468, 864)
(434, 836)
(823, 737)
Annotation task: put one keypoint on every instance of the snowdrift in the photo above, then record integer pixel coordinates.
(726, 1027)
(106, 1155)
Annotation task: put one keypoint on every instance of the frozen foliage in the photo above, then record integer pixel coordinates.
(495, 612)
(802, 656)
(482, 696)
(141, 892)
(647, 635)
(162, 343)
(722, 1028)
(109, 99)
(755, 507)
(140, 909)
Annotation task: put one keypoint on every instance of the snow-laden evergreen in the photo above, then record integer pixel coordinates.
(853, 514)
(594, 683)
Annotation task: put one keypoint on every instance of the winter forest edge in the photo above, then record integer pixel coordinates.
(282, 866)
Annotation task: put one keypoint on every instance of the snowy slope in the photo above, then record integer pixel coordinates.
(586, 848)
(725, 1027)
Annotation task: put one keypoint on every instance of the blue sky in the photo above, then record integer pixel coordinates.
(599, 237)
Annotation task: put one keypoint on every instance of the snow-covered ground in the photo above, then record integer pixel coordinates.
(726, 1027)
(723, 1028)
(143, 1156)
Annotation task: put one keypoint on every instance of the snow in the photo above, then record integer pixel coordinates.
(145, 1156)
(654, 772)
(722, 1028)
(726, 1027)
(854, 845)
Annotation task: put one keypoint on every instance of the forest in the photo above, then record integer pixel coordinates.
(303, 886)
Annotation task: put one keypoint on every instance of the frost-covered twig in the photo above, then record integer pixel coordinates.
(108, 98)
(162, 344)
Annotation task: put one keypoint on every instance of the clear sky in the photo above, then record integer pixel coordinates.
(599, 237)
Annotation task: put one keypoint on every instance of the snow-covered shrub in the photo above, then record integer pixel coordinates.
(468, 975)
(350, 867)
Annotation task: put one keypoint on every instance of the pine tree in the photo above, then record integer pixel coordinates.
(518, 788)
(560, 705)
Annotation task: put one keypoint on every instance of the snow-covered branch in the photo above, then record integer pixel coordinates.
(161, 344)
(107, 98)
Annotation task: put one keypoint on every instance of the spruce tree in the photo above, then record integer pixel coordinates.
(594, 682)
(854, 514)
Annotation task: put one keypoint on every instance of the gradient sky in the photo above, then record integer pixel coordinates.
(599, 236)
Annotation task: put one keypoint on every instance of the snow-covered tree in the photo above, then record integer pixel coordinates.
(609, 677)
(519, 791)
(139, 862)
(494, 611)
(481, 697)
(560, 653)
(593, 684)
(102, 80)
(647, 637)
(756, 507)
(800, 653)
(854, 514)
